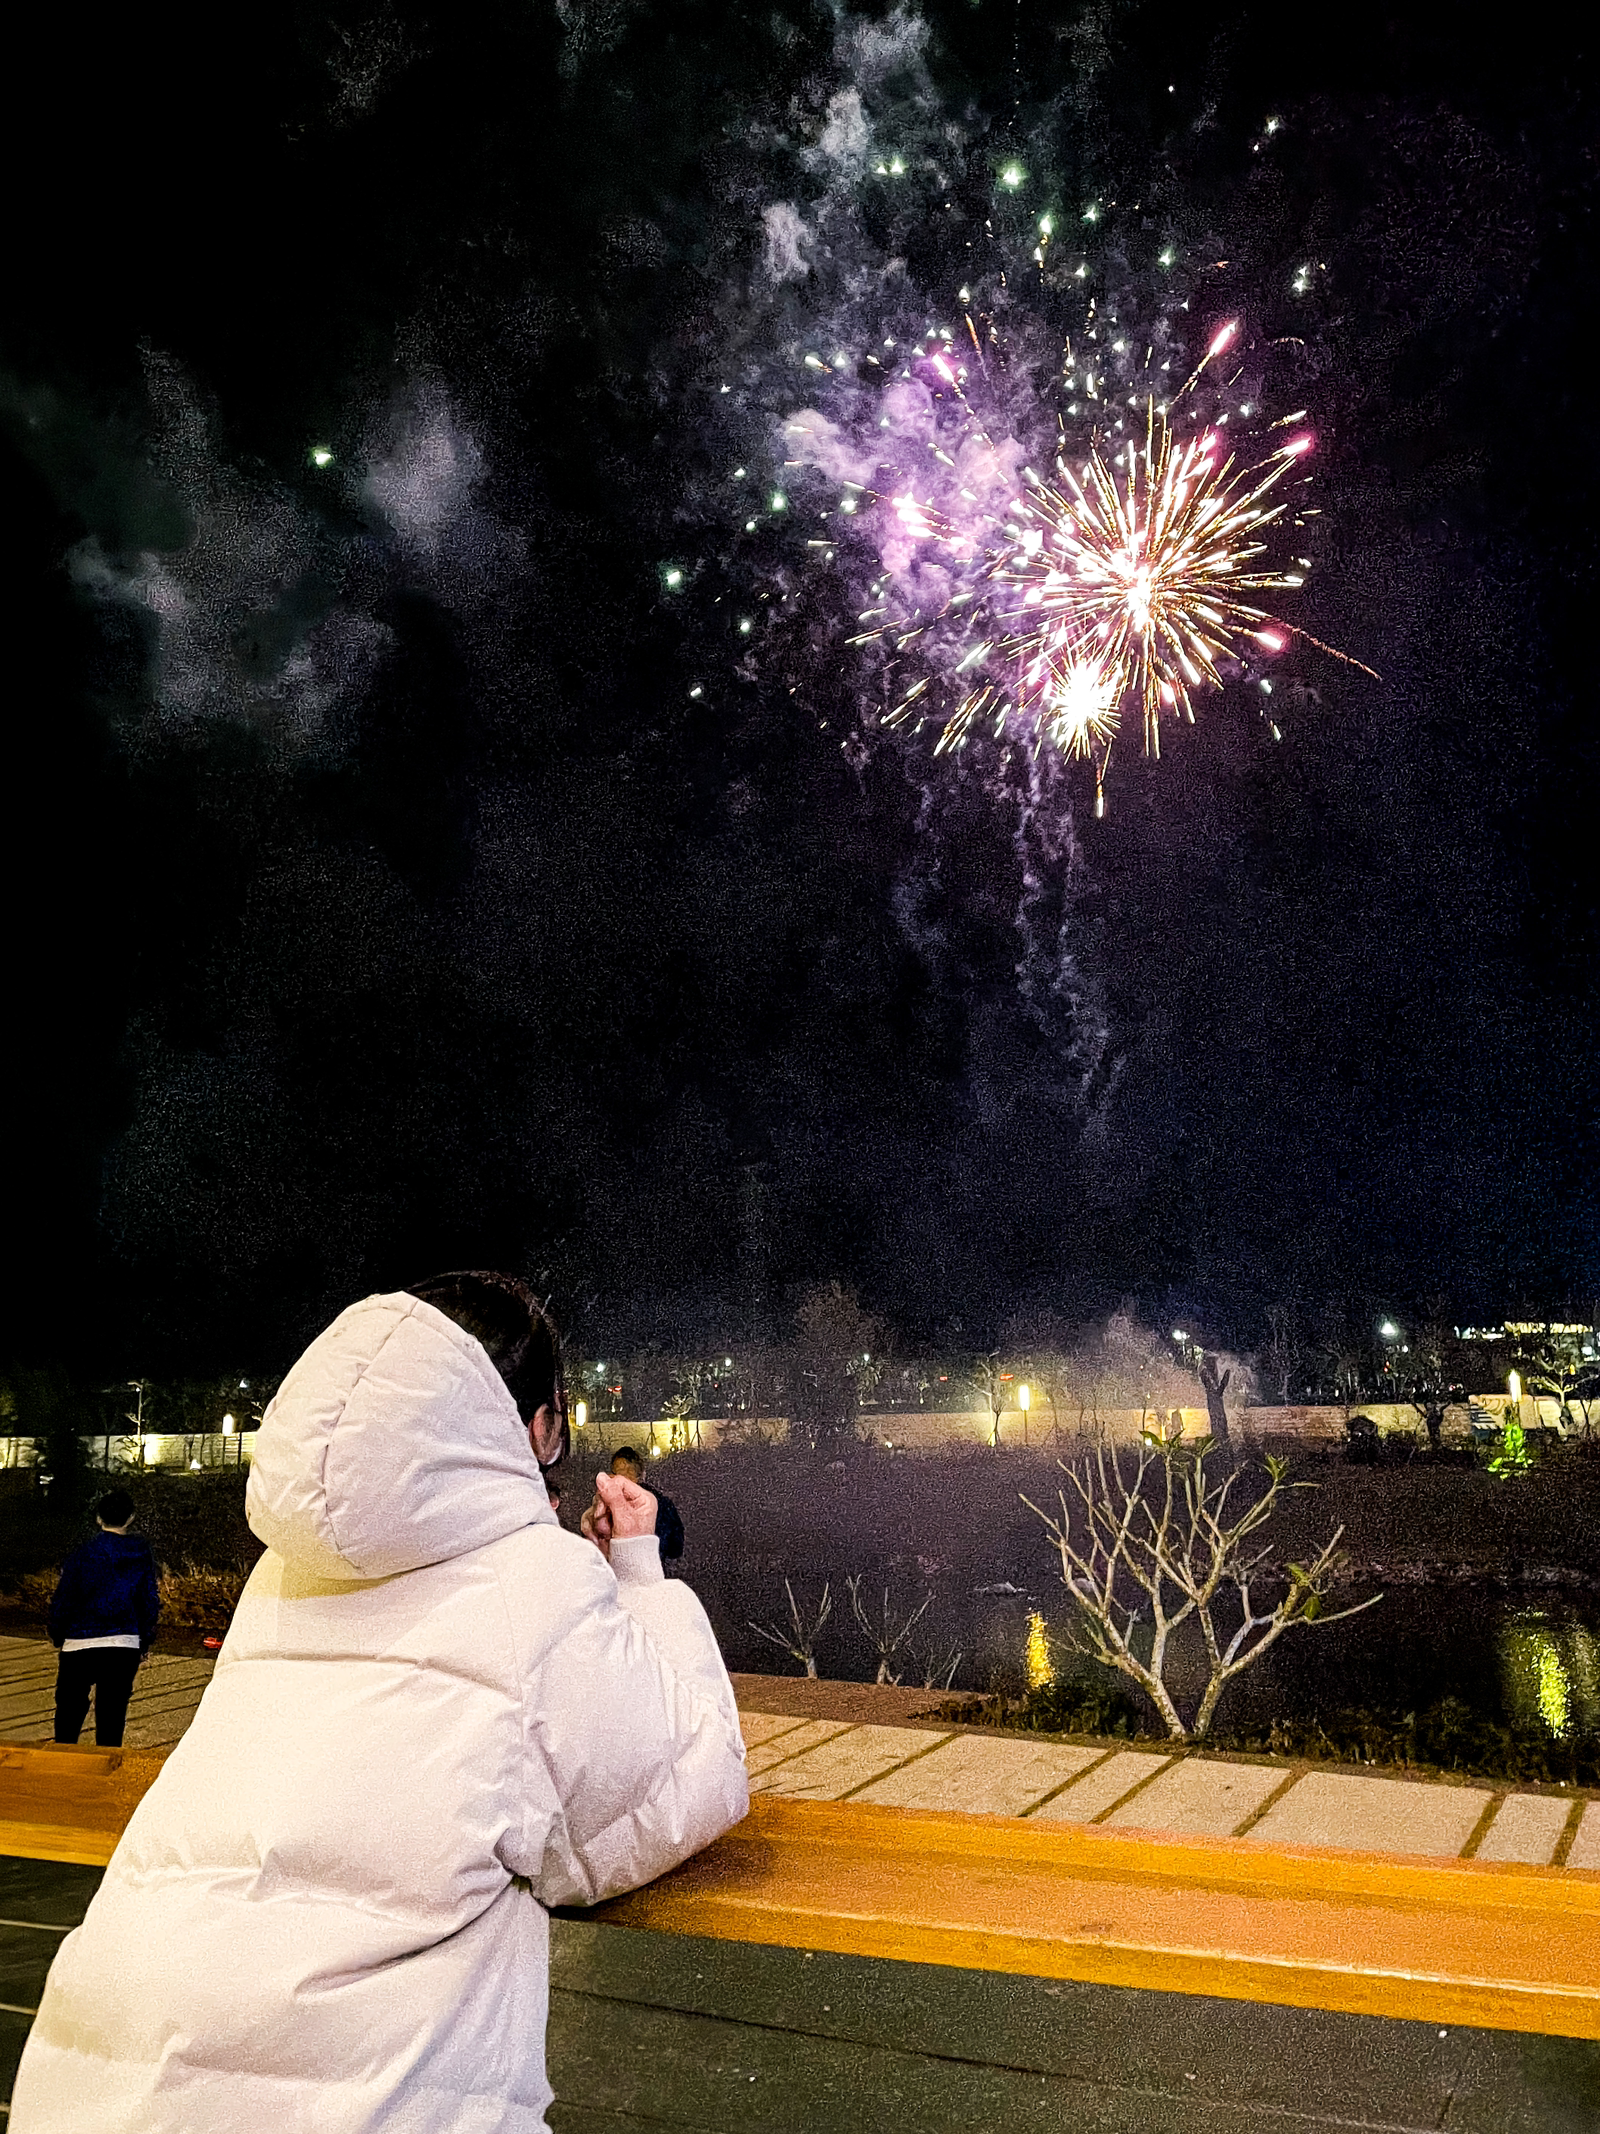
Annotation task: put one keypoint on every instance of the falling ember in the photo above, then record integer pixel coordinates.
(913, 518)
(1082, 713)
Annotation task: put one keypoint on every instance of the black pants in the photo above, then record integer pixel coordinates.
(109, 1671)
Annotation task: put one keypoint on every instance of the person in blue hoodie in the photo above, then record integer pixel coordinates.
(102, 1621)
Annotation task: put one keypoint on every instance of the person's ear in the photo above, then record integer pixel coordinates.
(545, 1435)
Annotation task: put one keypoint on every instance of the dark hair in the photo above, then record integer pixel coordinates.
(626, 1452)
(115, 1508)
(516, 1332)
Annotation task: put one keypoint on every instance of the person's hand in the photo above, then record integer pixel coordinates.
(621, 1511)
(595, 1526)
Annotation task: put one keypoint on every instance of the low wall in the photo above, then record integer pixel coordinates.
(914, 1430)
(198, 1452)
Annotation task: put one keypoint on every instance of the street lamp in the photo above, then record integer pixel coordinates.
(580, 1414)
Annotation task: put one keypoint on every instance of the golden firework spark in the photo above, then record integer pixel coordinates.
(1128, 578)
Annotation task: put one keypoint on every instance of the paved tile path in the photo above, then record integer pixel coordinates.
(907, 1765)
(165, 1694)
(896, 1759)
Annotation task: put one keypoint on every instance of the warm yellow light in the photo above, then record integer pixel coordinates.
(655, 1452)
(1555, 1689)
(1024, 1398)
(227, 1426)
(581, 1413)
(1516, 1385)
(1037, 1659)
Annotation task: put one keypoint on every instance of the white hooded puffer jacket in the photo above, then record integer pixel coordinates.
(435, 1714)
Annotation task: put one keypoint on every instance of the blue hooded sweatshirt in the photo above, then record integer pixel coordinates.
(107, 1589)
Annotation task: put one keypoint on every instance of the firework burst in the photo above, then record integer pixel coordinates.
(1049, 608)
(1128, 580)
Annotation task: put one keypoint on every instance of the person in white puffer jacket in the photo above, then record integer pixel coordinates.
(435, 1714)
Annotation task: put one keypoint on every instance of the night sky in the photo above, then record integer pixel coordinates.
(380, 896)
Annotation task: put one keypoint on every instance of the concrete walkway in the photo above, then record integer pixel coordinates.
(165, 1694)
(821, 1741)
(836, 1741)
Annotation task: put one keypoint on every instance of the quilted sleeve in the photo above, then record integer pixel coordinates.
(633, 1736)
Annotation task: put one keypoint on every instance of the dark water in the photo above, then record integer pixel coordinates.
(1530, 1663)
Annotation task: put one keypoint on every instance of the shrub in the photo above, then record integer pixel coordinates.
(33, 1591)
(194, 1597)
(1075, 1706)
(199, 1598)
(1447, 1736)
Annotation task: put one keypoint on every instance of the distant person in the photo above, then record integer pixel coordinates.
(669, 1527)
(434, 1716)
(103, 1618)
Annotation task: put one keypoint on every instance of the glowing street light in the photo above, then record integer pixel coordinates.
(227, 1426)
(1024, 1398)
(580, 1414)
(1515, 1383)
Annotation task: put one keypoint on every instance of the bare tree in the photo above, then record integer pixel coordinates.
(887, 1632)
(1216, 1383)
(936, 1666)
(1284, 1353)
(838, 1350)
(1554, 1367)
(985, 1376)
(1339, 1353)
(1430, 1385)
(1148, 1535)
(799, 1639)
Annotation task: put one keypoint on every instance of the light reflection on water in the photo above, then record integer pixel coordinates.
(1036, 1660)
(1550, 1675)
(1547, 1663)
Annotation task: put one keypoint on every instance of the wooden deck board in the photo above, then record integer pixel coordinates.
(1122, 1903)
(1513, 1948)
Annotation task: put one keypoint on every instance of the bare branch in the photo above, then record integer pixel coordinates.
(799, 1640)
(1179, 1542)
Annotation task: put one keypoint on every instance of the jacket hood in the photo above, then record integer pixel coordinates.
(393, 1443)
